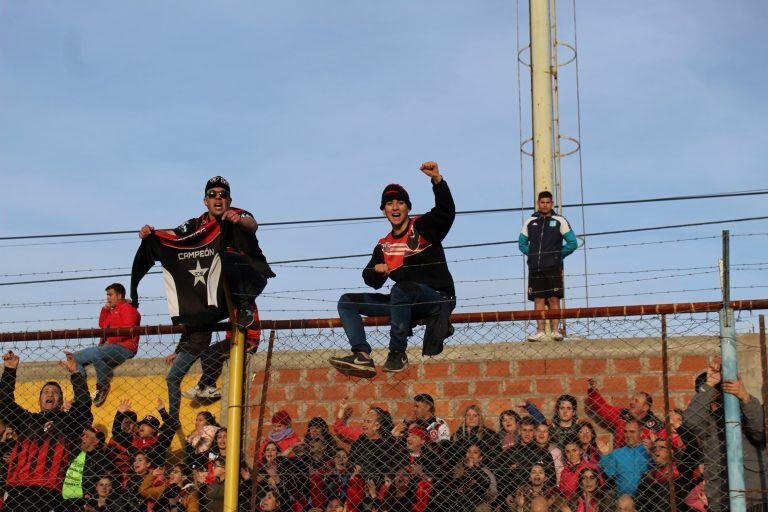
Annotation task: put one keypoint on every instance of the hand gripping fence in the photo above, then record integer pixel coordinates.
(624, 414)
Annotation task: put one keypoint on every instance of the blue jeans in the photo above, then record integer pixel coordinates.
(179, 368)
(406, 300)
(104, 359)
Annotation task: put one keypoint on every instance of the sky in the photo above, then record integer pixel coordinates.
(114, 115)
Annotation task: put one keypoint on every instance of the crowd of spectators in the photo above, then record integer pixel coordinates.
(520, 461)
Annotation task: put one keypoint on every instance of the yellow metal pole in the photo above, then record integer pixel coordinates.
(541, 96)
(234, 411)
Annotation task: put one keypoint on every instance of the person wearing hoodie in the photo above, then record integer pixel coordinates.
(46, 439)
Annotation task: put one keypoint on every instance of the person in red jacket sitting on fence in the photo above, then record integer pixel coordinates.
(112, 351)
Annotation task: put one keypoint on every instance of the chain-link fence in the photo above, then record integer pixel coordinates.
(624, 413)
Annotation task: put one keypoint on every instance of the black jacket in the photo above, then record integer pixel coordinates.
(424, 259)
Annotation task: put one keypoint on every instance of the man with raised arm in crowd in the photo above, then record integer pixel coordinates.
(223, 239)
(112, 351)
(412, 256)
(541, 239)
(46, 439)
(639, 409)
(705, 417)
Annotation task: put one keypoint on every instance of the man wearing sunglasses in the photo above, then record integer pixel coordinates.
(242, 263)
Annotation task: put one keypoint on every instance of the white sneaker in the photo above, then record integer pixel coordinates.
(191, 393)
(539, 336)
(209, 392)
(557, 336)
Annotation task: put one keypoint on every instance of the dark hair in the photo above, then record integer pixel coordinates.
(600, 491)
(325, 435)
(508, 412)
(427, 399)
(648, 398)
(591, 428)
(57, 386)
(389, 499)
(385, 421)
(527, 420)
(117, 287)
(186, 471)
(571, 400)
(270, 443)
(543, 194)
(209, 417)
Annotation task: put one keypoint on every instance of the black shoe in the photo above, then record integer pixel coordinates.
(244, 318)
(396, 362)
(101, 395)
(355, 365)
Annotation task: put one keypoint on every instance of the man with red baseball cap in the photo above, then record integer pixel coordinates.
(412, 256)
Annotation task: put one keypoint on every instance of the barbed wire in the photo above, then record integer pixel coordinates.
(77, 302)
(292, 263)
(366, 219)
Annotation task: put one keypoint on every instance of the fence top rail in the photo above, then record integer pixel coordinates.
(329, 323)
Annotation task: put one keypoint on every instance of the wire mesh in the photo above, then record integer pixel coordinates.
(493, 423)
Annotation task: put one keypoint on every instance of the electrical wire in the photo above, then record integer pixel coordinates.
(292, 263)
(466, 212)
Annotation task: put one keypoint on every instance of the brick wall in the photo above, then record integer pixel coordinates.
(495, 376)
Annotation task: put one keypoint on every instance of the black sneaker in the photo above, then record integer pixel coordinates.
(396, 362)
(244, 318)
(101, 395)
(355, 365)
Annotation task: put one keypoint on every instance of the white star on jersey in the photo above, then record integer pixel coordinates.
(199, 274)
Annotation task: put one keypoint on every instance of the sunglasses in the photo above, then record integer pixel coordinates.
(224, 194)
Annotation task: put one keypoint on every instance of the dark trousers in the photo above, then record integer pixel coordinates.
(405, 301)
(245, 284)
(212, 362)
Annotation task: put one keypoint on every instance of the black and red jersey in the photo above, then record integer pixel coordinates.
(192, 267)
(45, 440)
(417, 254)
